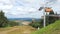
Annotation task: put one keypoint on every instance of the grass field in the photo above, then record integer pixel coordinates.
(51, 29)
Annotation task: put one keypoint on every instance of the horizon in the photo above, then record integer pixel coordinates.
(23, 18)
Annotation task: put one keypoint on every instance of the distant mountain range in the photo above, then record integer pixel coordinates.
(24, 19)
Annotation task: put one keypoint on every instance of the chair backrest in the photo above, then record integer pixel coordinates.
(48, 10)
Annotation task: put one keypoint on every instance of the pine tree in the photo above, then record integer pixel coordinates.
(51, 18)
(3, 19)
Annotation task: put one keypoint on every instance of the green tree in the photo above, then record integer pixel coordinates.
(51, 12)
(3, 19)
(51, 18)
(12, 23)
(35, 23)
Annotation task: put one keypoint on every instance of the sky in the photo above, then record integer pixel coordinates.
(27, 8)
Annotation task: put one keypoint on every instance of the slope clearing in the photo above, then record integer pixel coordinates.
(22, 30)
(51, 29)
(17, 30)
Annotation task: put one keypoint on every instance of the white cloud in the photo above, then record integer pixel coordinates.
(21, 9)
(6, 6)
(25, 8)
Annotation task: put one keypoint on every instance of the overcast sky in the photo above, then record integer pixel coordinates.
(27, 8)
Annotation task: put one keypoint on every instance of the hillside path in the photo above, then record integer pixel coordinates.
(5, 32)
(24, 29)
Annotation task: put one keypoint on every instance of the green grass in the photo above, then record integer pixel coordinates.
(51, 29)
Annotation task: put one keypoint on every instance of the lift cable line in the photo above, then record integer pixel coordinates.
(48, 10)
(58, 15)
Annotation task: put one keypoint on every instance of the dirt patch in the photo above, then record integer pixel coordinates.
(19, 30)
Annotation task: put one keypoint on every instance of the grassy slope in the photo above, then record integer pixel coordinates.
(51, 29)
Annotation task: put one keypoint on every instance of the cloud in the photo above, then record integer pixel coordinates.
(26, 8)
(6, 7)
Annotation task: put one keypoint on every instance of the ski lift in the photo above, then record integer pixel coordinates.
(47, 9)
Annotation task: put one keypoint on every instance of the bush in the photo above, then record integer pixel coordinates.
(35, 24)
(12, 23)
